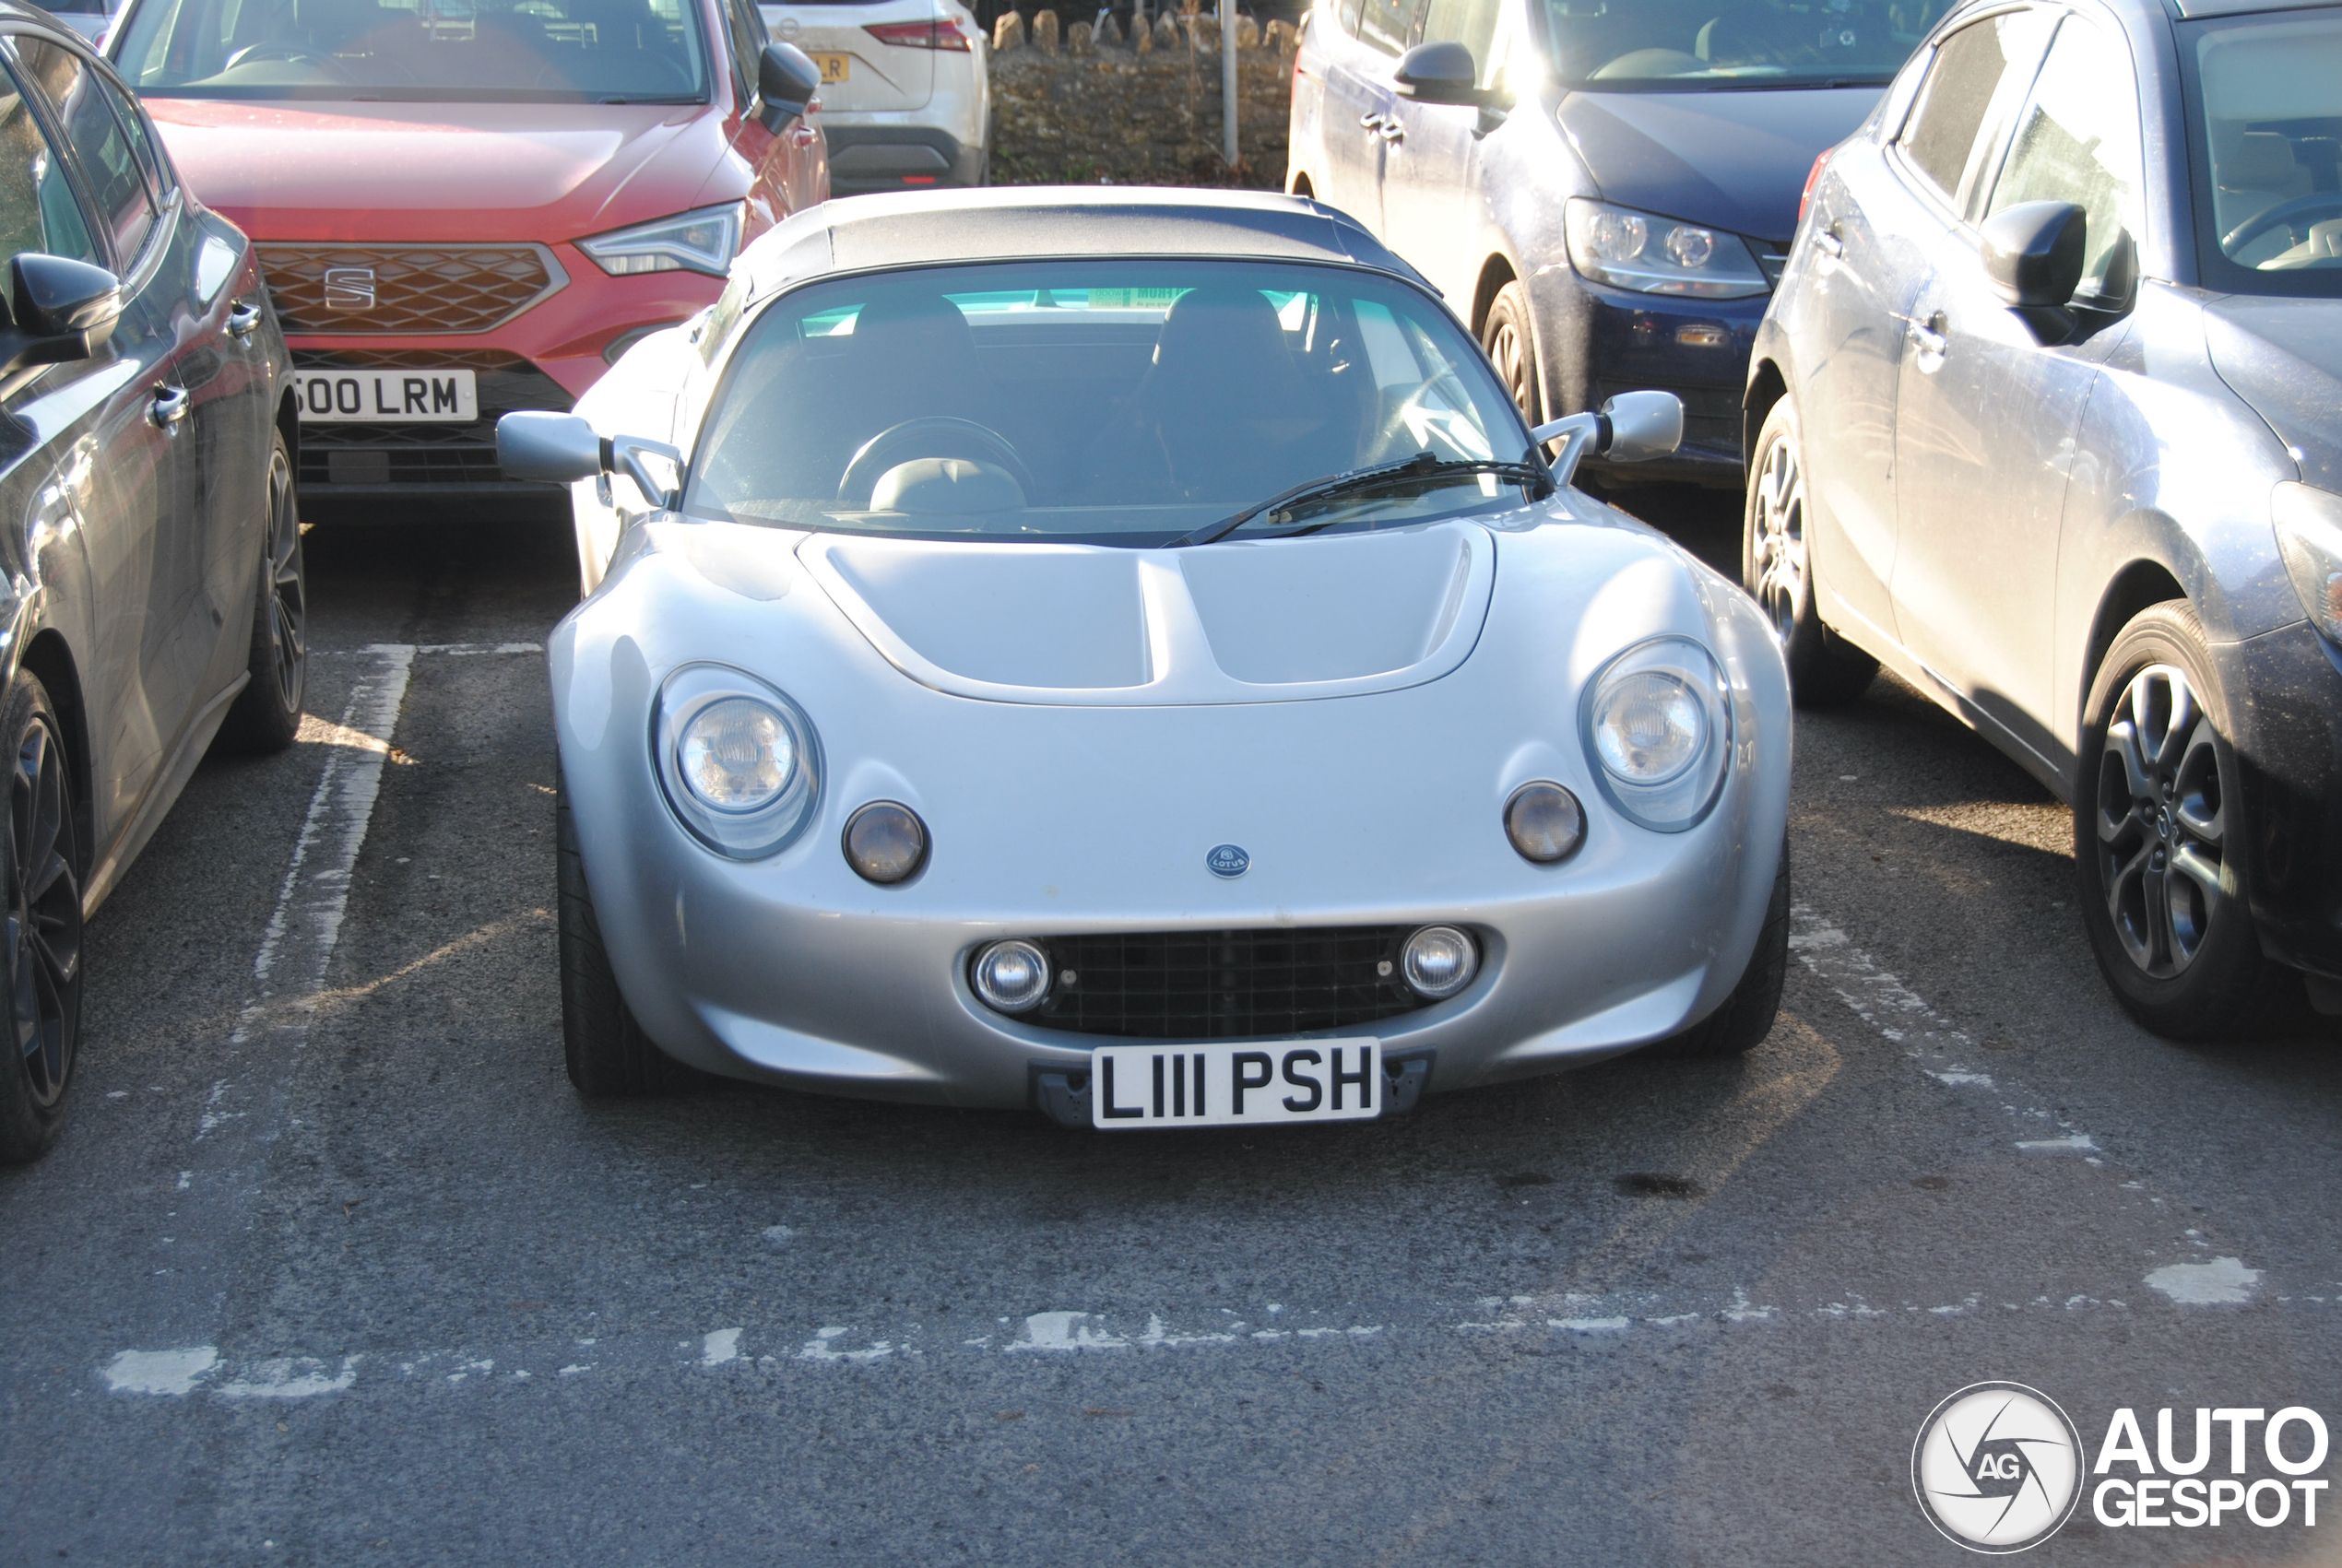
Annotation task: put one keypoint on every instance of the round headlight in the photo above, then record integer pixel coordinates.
(885, 842)
(738, 761)
(1658, 730)
(1544, 822)
(735, 754)
(1011, 976)
(1649, 726)
(1438, 960)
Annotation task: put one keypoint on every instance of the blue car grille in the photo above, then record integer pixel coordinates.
(1224, 984)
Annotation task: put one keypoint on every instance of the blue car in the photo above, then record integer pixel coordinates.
(2047, 417)
(1604, 190)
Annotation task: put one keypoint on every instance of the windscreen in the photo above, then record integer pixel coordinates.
(1688, 45)
(1122, 402)
(467, 51)
(2268, 95)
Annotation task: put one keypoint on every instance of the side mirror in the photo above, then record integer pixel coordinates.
(556, 448)
(1633, 427)
(65, 310)
(1643, 425)
(786, 79)
(2034, 252)
(562, 449)
(1440, 73)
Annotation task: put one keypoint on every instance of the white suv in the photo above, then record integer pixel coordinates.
(906, 99)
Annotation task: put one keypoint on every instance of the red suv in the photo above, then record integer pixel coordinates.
(469, 207)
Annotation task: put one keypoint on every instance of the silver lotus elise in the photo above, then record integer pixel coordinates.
(1121, 652)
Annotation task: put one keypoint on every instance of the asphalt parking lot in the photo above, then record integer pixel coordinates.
(332, 1268)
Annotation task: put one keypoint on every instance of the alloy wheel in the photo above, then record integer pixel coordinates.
(1509, 354)
(287, 586)
(43, 932)
(1779, 550)
(2161, 831)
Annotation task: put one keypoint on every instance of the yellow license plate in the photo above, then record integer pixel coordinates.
(835, 67)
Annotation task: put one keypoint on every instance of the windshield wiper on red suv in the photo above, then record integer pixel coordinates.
(1421, 467)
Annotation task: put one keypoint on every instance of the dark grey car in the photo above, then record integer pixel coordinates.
(2047, 417)
(151, 594)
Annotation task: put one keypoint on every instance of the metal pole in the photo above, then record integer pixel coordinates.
(1229, 82)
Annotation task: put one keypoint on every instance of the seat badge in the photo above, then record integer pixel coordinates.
(349, 289)
(1227, 860)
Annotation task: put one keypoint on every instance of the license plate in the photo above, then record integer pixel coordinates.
(835, 67)
(1235, 1086)
(448, 397)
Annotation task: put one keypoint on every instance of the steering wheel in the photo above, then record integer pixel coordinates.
(2285, 212)
(285, 48)
(935, 436)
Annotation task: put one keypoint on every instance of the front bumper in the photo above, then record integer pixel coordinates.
(2285, 704)
(1382, 809)
(1598, 341)
(543, 358)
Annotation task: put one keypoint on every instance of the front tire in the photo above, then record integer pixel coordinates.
(40, 941)
(1777, 569)
(2159, 838)
(1511, 347)
(1740, 1024)
(609, 1056)
(268, 712)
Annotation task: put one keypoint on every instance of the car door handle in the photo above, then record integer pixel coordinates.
(1928, 335)
(168, 407)
(1826, 241)
(243, 320)
(1370, 122)
(1394, 130)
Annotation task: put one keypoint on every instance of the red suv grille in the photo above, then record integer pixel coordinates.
(380, 290)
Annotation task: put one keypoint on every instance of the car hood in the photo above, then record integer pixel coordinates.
(1730, 159)
(2284, 358)
(1253, 621)
(444, 172)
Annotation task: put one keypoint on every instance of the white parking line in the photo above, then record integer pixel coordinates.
(1556, 1321)
(1903, 1016)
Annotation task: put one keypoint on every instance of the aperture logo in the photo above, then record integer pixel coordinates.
(1997, 1468)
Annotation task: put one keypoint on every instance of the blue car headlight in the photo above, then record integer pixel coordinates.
(1657, 731)
(1657, 255)
(738, 763)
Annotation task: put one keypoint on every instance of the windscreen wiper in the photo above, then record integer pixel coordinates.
(1422, 465)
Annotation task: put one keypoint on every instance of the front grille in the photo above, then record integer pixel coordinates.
(358, 453)
(1711, 414)
(379, 290)
(1224, 984)
(1771, 260)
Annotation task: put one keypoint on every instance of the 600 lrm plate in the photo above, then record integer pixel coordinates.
(1235, 1085)
(403, 397)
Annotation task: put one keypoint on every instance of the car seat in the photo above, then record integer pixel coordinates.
(809, 406)
(1220, 414)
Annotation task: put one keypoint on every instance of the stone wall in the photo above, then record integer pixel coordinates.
(1071, 105)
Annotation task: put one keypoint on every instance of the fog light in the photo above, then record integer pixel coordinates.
(1439, 960)
(1011, 976)
(1544, 822)
(885, 842)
